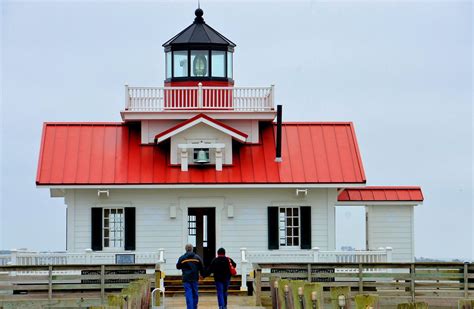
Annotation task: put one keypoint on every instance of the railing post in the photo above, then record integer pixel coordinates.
(466, 280)
(14, 257)
(361, 282)
(412, 282)
(102, 282)
(50, 282)
(161, 256)
(88, 256)
(199, 98)
(389, 251)
(258, 287)
(243, 269)
(127, 98)
(316, 254)
(272, 96)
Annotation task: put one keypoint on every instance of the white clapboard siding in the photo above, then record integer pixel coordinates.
(392, 226)
(155, 229)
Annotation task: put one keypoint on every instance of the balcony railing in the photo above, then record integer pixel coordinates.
(240, 99)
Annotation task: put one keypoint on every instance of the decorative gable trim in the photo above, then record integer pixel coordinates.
(201, 118)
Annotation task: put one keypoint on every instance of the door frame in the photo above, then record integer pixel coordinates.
(201, 202)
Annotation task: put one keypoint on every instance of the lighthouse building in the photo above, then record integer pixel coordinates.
(200, 160)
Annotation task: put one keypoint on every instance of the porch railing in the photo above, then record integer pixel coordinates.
(20, 257)
(249, 259)
(240, 99)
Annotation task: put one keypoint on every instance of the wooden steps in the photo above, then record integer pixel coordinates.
(174, 285)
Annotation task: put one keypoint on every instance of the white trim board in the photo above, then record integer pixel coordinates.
(206, 186)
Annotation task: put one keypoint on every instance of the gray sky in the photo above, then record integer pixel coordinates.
(401, 71)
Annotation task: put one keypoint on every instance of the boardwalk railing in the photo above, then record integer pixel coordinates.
(69, 278)
(157, 99)
(410, 281)
(18, 257)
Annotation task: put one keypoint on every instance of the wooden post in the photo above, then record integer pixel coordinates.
(466, 280)
(309, 273)
(102, 282)
(258, 287)
(361, 283)
(50, 282)
(412, 282)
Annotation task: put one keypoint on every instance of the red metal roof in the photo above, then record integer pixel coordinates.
(111, 154)
(196, 119)
(381, 194)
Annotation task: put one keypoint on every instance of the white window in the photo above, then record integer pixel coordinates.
(113, 227)
(289, 226)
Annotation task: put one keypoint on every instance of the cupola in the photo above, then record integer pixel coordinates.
(199, 54)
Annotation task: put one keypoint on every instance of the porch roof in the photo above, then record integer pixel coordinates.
(381, 194)
(101, 154)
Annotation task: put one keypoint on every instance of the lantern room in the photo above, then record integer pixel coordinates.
(199, 54)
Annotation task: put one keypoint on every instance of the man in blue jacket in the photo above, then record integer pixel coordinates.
(191, 265)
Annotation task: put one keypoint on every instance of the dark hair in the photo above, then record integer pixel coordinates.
(221, 251)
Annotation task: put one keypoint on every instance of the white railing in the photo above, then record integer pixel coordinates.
(249, 258)
(18, 257)
(157, 99)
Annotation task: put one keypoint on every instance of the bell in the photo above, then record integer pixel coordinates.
(202, 156)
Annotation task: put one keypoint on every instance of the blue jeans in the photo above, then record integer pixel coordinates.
(221, 288)
(191, 294)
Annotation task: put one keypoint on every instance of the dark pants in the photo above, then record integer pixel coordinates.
(191, 294)
(222, 288)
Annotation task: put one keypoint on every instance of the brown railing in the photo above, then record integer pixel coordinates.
(402, 281)
(53, 279)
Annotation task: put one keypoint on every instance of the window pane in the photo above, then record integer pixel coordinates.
(199, 63)
(218, 63)
(289, 231)
(295, 211)
(296, 241)
(180, 63)
(288, 211)
(168, 65)
(295, 221)
(289, 242)
(229, 65)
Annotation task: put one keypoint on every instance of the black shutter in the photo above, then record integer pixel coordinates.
(273, 231)
(305, 218)
(130, 228)
(96, 228)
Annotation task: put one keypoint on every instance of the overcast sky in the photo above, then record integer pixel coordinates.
(401, 71)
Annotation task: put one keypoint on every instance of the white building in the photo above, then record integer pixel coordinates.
(200, 160)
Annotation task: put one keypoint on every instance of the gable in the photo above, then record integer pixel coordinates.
(196, 120)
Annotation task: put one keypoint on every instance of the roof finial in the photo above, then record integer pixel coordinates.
(199, 12)
(199, 4)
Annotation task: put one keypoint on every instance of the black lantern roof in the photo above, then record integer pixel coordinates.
(199, 34)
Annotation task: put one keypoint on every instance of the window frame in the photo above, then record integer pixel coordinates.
(292, 226)
(104, 248)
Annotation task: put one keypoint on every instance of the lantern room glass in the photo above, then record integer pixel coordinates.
(218, 63)
(199, 63)
(180, 67)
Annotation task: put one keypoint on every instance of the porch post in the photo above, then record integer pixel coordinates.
(243, 269)
(389, 253)
(316, 254)
(88, 256)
